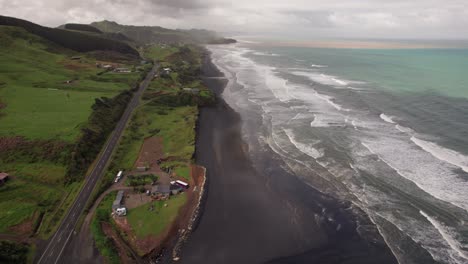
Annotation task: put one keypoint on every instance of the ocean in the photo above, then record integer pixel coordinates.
(384, 129)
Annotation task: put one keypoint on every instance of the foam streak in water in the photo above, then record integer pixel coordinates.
(443, 154)
(304, 148)
(445, 233)
(386, 118)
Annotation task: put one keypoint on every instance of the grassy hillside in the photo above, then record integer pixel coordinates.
(41, 117)
(155, 34)
(82, 27)
(73, 40)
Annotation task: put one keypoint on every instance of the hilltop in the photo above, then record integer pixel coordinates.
(156, 34)
(74, 40)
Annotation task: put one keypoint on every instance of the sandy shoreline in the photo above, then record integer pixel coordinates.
(265, 214)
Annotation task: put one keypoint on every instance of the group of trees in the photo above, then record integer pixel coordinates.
(13, 253)
(106, 113)
(21, 149)
(82, 27)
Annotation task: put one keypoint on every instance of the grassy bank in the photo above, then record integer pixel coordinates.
(104, 244)
(169, 112)
(145, 222)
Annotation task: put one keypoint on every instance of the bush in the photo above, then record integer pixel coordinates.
(13, 253)
(140, 180)
(106, 113)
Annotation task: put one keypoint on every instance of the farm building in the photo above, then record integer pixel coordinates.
(163, 190)
(4, 177)
(118, 200)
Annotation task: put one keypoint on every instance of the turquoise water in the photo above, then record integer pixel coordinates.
(387, 129)
(443, 71)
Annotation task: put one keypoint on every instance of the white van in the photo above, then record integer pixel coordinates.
(121, 211)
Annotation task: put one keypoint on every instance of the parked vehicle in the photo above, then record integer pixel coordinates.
(118, 177)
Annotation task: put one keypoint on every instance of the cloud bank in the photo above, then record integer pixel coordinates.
(306, 19)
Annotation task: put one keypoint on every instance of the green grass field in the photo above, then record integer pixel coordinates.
(156, 52)
(175, 125)
(38, 104)
(183, 172)
(145, 222)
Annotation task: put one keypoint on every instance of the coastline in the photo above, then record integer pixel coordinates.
(263, 213)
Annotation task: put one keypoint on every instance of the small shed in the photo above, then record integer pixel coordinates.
(118, 200)
(4, 177)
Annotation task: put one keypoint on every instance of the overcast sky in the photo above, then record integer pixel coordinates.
(306, 19)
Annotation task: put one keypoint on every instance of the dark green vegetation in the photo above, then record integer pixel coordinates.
(13, 252)
(140, 180)
(73, 40)
(50, 105)
(104, 244)
(155, 34)
(81, 27)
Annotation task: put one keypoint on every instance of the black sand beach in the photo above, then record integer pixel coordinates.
(263, 213)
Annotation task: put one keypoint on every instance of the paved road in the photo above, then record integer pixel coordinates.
(54, 249)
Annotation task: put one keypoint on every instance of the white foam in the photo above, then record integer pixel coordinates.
(428, 173)
(387, 118)
(307, 149)
(404, 129)
(322, 78)
(354, 125)
(318, 66)
(447, 235)
(277, 85)
(259, 53)
(330, 101)
(443, 154)
(431, 174)
(318, 122)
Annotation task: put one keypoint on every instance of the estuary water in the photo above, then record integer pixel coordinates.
(386, 130)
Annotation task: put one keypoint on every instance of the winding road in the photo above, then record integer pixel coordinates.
(55, 246)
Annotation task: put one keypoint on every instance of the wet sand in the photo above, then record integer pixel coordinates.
(264, 214)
